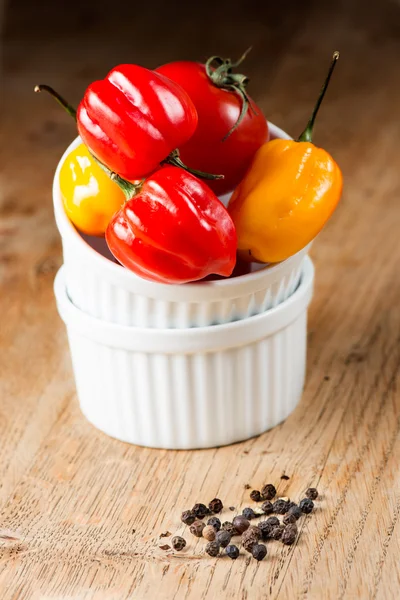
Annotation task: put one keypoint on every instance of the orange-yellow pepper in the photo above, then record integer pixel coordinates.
(90, 197)
(287, 195)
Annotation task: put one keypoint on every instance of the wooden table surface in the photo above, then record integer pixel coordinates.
(81, 514)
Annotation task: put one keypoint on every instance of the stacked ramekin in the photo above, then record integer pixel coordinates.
(181, 366)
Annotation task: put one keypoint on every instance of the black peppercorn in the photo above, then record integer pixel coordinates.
(248, 513)
(280, 506)
(240, 523)
(259, 551)
(312, 493)
(255, 495)
(197, 528)
(265, 529)
(229, 527)
(250, 537)
(223, 538)
(215, 505)
(232, 551)
(200, 510)
(273, 521)
(188, 517)
(289, 518)
(178, 543)
(268, 492)
(276, 532)
(290, 505)
(267, 507)
(214, 522)
(306, 505)
(254, 530)
(212, 548)
(296, 511)
(289, 534)
(248, 543)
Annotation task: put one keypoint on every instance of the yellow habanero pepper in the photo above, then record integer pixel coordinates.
(90, 197)
(288, 194)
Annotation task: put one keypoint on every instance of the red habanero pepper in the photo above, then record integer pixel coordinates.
(134, 120)
(231, 126)
(174, 230)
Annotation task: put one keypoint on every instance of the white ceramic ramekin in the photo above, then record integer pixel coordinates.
(189, 388)
(102, 288)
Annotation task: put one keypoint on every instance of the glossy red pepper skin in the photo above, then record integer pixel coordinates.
(175, 230)
(218, 110)
(134, 118)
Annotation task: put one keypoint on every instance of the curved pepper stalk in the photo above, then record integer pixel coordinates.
(307, 134)
(219, 71)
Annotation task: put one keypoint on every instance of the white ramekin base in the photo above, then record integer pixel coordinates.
(190, 388)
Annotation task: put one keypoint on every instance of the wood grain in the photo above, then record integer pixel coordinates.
(81, 514)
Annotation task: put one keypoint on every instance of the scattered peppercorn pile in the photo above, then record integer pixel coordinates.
(219, 535)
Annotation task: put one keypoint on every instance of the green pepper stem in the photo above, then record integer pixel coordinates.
(219, 72)
(175, 160)
(306, 136)
(66, 105)
(242, 58)
(129, 189)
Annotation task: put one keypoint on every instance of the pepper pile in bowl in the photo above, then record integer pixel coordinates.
(157, 148)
